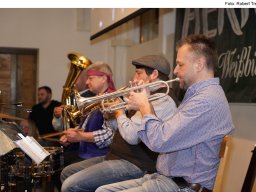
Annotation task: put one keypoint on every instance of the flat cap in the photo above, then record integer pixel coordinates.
(154, 62)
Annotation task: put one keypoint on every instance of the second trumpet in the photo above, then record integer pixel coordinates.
(85, 103)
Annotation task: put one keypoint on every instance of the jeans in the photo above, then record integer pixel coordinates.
(149, 183)
(79, 166)
(90, 174)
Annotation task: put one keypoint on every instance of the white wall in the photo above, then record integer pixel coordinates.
(242, 144)
(54, 32)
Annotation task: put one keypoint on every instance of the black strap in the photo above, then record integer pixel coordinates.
(182, 183)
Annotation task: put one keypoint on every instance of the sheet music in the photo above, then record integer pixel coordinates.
(11, 137)
(32, 148)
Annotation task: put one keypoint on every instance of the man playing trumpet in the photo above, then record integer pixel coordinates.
(127, 159)
(189, 142)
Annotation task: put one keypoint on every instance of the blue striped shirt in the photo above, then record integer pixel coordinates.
(189, 142)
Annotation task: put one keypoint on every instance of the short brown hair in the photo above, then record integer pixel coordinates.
(46, 88)
(201, 46)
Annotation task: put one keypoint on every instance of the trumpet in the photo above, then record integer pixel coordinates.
(83, 103)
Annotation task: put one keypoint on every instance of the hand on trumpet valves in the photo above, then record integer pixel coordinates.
(57, 112)
(138, 97)
(112, 102)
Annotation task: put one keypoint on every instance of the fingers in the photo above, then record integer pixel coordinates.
(136, 99)
(58, 111)
(72, 135)
(139, 83)
(63, 139)
(131, 105)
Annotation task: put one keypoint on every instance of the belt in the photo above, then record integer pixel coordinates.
(182, 183)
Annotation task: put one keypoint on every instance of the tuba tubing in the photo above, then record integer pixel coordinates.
(77, 64)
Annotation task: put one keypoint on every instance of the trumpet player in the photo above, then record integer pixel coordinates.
(189, 142)
(97, 135)
(126, 159)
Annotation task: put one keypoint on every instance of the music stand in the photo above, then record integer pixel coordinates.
(6, 142)
(27, 144)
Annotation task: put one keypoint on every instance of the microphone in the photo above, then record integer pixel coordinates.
(18, 104)
(27, 110)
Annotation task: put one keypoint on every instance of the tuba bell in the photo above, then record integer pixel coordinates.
(70, 112)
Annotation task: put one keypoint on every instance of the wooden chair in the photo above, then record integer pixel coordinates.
(223, 158)
(249, 182)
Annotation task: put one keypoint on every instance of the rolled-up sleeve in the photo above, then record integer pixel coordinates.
(57, 123)
(103, 137)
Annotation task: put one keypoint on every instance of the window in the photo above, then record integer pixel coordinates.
(149, 22)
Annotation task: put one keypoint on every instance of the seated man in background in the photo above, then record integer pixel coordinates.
(126, 159)
(189, 142)
(29, 128)
(97, 134)
(42, 112)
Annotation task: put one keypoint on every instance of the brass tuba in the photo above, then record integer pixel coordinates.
(78, 63)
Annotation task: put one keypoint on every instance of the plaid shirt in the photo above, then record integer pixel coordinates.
(103, 137)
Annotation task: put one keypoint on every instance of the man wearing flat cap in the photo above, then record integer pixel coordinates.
(156, 62)
(128, 158)
(153, 64)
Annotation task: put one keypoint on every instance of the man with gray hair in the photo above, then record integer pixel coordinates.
(97, 134)
(128, 157)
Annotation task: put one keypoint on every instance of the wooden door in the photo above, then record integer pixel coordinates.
(18, 80)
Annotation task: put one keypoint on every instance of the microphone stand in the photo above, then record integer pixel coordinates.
(28, 164)
(24, 181)
(17, 105)
(18, 108)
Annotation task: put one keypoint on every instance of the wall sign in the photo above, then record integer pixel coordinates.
(234, 32)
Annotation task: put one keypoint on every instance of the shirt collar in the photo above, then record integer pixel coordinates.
(199, 85)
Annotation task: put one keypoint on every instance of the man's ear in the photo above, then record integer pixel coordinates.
(50, 96)
(105, 78)
(154, 74)
(200, 64)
